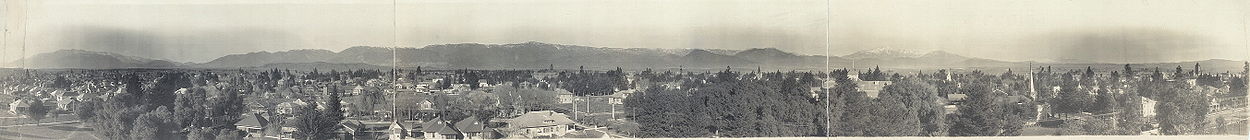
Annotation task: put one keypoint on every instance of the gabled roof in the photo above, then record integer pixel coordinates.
(352, 125)
(20, 103)
(63, 93)
(538, 119)
(471, 125)
(437, 125)
(252, 121)
(408, 125)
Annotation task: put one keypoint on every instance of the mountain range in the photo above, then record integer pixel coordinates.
(538, 55)
(91, 60)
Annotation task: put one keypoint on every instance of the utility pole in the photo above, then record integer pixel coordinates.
(394, 61)
(828, 101)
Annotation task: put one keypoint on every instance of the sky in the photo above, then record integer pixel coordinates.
(1018, 30)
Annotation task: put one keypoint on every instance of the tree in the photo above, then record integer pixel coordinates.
(334, 107)
(162, 91)
(37, 111)
(115, 121)
(1106, 101)
(85, 110)
(983, 115)
(60, 83)
(1181, 110)
(155, 125)
(1128, 70)
(893, 118)
(201, 134)
(1130, 113)
(311, 123)
(189, 108)
(230, 134)
(1088, 126)
(1072, 98)
(920, 100)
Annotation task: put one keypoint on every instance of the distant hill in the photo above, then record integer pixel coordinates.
(528, 55)
(884, 53)
(321, 66)
(538, 55)
(911, 59)
(262, 58)
(82, 59)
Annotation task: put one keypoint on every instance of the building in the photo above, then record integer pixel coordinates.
(253, 124)
(358, 90)
(414, 107)
(956, 98)
(564, 96)
(1148, 107)
(353, 128)
(290, 107)
(405, 130)
(437, 128)
(18, 106)
(67, 105)
(62, 95)
(619, 97)
(872, 88)
(473, 128)
(539, 124)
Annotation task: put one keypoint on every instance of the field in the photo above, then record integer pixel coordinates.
(74, 131)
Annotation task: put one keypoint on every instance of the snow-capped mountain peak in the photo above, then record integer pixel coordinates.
(885, 52)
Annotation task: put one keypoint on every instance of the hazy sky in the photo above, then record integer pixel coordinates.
(1043, 30)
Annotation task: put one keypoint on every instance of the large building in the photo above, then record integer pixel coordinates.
(538, 124)
(872, 88)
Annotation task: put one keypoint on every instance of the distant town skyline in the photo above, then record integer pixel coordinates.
(1121, 31)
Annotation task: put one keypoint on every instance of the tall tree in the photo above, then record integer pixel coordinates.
(983, 115)
(311, 123)
(155, 125)
(1181, 110)
(37, 110)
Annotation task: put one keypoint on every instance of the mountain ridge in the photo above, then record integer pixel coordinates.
(535, 55)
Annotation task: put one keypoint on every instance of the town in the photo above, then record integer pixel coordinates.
(554, 103)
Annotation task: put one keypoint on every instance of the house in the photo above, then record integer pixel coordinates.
(66, 105)
(472, 128)
(872, 88)
(88, 96)
(619, 97)
(564, 96)
(950, 109)
(439, 129)
(403, 130)
(484, 84)
(18, 106)
(358, 90)
(253, 124)
(353, 127)
(62, 95)
(1014, 99)
(414, 107)
(1148, 107)
(956, 98)
(291, 106)
(539, 124)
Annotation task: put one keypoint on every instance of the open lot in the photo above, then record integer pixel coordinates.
(72, 131)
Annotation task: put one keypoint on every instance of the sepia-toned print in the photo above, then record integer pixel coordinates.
(624, 69)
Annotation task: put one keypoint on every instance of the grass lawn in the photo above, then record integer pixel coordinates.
(17, 120)
(73, 131)
(1038, 131)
